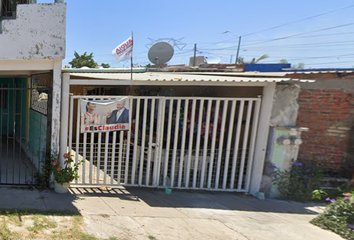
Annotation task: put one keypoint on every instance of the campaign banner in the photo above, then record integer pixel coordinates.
(104, 115)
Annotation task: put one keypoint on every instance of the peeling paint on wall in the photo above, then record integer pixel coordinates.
(285, 106)
(38, 32)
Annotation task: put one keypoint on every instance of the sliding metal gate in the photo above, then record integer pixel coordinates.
(187, 143)
(23, 127)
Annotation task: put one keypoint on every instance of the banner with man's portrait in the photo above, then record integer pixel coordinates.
(104, 115)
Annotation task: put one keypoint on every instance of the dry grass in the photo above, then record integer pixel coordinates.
(39, 224)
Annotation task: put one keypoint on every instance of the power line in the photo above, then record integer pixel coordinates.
(304, 33)
(301, 20)
(282, 25)
(311, 36)
(317, 44)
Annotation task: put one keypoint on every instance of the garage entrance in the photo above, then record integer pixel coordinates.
(177, 142)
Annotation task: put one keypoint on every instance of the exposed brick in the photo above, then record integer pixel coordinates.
(329, 114)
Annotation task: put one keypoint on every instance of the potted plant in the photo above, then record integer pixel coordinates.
(64, 175)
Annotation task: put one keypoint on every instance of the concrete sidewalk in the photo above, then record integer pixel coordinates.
(137, 213)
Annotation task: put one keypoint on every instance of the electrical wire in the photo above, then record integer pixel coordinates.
(300, 20)
(304, 33)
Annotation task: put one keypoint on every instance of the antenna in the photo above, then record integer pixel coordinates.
(160, 53)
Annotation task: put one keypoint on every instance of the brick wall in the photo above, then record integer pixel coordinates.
(329, 115)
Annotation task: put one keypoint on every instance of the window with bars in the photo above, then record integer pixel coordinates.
(8, 7)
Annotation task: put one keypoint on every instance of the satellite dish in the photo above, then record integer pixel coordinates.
(160, 53)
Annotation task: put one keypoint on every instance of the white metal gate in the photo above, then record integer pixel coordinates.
(178, 142)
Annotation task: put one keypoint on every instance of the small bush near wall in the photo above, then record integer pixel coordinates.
(338, 216)
(43, 178)
(299, 182)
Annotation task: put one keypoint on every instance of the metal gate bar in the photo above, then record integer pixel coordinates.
(191, 143)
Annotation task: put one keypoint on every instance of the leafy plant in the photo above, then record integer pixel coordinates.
(318, 194)
(299, 182)
(42, 179)
(67, 173)
(338, 216)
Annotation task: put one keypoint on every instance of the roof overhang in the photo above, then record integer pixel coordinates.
(177, 78)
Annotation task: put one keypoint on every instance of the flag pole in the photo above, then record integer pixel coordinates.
(131, 68)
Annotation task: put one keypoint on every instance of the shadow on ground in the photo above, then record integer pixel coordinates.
(25, 198)
(198, 199)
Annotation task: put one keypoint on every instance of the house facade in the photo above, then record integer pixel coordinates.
(188, 130)
(32, 40)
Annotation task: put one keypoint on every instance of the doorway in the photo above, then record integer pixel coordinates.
(24, 125)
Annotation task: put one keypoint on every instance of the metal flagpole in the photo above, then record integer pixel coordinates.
(131, 67)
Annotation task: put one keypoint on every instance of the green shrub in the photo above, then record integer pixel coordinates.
(299, 182)
(338, 216)
(42, 179)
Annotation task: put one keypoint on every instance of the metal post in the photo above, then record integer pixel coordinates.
(238, 49)
(195, 55)
(64, 114)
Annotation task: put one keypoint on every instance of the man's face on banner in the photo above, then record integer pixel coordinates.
(120, 105)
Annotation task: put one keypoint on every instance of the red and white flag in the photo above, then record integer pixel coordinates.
(124, 51)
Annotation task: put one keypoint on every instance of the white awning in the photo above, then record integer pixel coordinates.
(166, 78)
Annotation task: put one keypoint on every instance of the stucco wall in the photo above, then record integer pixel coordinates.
(285, 106)
(38, 32)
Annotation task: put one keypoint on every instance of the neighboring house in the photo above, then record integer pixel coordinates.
(326, 107)
(32, 40)
(321, 109)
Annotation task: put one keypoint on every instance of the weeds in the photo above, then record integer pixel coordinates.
(338, 216)
(41, 224)
(299, 182)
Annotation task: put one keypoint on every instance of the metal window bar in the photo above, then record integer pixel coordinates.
(9, 7)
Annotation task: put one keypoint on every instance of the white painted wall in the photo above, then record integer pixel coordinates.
(56, 107)
(262, 136)
(38, 32)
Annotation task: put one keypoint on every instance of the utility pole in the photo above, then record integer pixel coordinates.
(238, 46)
(195, 54)
(238, 49)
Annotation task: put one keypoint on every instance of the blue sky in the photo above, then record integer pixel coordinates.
(320, 41)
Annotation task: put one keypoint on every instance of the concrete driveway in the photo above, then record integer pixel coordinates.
(141, 213)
